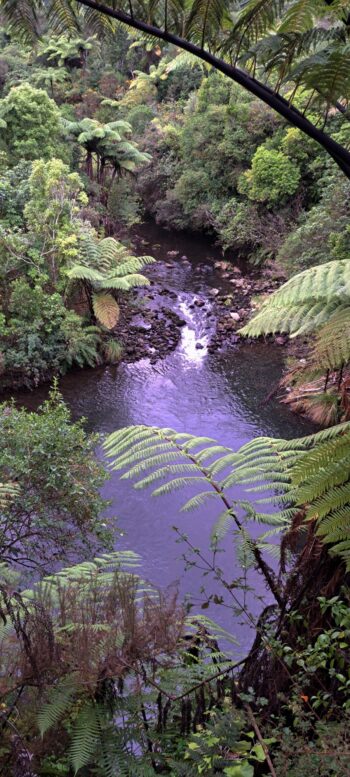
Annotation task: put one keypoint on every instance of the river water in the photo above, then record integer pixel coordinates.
(219, 395)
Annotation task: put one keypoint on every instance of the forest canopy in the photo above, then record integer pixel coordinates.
(228, 123)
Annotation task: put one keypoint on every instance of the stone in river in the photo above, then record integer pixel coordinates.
(214, 292)
(235, 316)
(199, 345)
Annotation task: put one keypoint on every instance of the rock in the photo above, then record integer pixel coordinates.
(199, 346)
(184, 258)
(173, 253)
(235, 316)
(280, 340)
(199, 303)
(214, 292)
(222, 265)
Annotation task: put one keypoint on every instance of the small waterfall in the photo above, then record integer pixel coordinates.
(196, 311)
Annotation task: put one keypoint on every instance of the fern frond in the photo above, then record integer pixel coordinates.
(21, 17)
(106, 310)
(305, 301)
(300, 17)
(327, 72)
(52, 711)
(82, 273)
(221, 526)
(257, 18)
(8, 492)
(85, 736)
(315, 473)
(205, 19)
(312, 471)
(331, 349)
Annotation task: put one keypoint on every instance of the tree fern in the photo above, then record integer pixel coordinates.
(306, 300)
(311, 471)
(85, 628)
(106, 266)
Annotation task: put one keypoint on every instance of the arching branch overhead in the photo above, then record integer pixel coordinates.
(260, 90)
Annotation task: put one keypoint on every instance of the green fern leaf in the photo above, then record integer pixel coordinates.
(85, 736)
(60, 699)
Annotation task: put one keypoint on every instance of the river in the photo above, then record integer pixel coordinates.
(220, 395)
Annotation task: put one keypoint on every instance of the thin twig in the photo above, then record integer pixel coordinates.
(252, 719)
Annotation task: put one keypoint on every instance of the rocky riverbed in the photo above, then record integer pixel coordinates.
(151, 323)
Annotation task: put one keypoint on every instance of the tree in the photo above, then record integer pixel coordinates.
(51, 462)
(32, 124)
(107, 147)
(272, 177)
(106, 266)
(66, 51)
(56, 195)
(287, 56)
(303, 46)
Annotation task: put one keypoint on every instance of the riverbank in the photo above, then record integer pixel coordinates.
(152, 320)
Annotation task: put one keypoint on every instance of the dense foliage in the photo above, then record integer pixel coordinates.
(51, 463)
(100, 674)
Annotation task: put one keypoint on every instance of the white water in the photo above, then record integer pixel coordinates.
(195, 335)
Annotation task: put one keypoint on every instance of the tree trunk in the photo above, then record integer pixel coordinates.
(89, 170)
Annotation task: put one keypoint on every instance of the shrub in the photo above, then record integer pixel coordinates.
(272, 178)
(32, 123)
